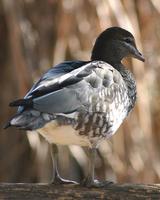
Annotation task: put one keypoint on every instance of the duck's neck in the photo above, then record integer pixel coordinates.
(129, 80)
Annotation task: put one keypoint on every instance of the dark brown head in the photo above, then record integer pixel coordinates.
(113, 45)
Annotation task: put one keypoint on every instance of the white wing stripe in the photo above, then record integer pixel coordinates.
(68, 75)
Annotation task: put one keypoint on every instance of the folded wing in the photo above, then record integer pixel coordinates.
(65, 90)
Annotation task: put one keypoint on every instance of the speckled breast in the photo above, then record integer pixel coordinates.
(108, 108)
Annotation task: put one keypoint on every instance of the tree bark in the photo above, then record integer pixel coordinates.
(59, 192)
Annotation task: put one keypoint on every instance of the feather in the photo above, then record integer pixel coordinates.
(21, 102)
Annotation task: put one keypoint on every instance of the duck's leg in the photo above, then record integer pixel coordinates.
(57, 179)
(90, 181)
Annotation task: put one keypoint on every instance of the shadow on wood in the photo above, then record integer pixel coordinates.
(46, 192)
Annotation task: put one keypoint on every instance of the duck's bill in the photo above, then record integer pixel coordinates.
(138, 56)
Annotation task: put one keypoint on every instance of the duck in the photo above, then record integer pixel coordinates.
(82, 102)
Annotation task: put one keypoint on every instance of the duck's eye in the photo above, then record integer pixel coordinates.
(128, 40)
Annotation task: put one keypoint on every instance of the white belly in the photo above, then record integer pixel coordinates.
(63, 135)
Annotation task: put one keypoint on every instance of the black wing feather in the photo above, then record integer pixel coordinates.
(55, 72)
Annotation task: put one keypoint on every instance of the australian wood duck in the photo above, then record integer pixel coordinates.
(82, 102)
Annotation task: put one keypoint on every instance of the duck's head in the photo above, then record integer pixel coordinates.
(113, 45)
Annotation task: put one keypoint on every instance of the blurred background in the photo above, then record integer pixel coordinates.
(37, 34)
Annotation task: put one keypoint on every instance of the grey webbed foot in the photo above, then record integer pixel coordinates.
(90, 181)
(59, 180)
(96, 183)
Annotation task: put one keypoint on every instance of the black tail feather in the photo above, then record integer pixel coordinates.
(21, 102)
(29, 120)
(7, 125)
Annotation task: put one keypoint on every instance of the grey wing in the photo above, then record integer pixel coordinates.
(71, 91)
(93, 84)
(87, 87)
(66, 100)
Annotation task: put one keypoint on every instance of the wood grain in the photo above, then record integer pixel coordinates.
(69, 192)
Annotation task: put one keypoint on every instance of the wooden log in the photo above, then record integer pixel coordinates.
(29, 191)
